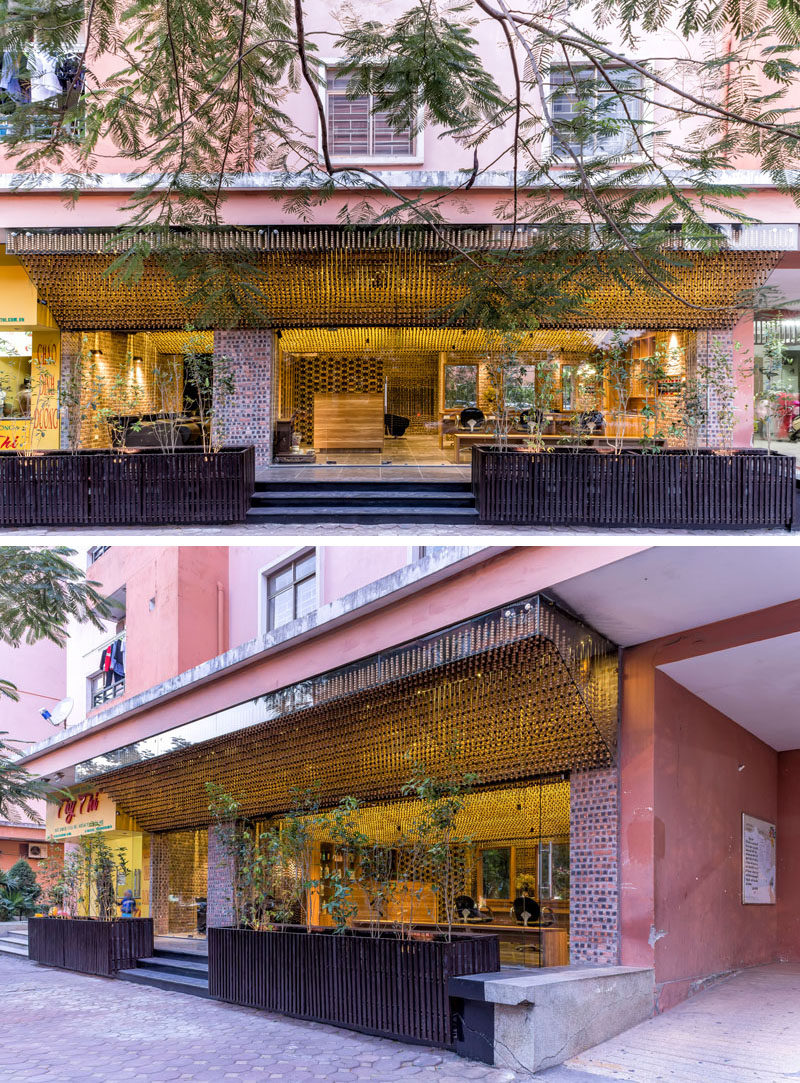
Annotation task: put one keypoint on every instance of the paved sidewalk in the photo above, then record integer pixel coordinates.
(70, 1028)
(744, 1030)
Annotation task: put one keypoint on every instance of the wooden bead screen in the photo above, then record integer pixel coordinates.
(329, 277)
(516, 706)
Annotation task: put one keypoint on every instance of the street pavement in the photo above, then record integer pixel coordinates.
(61, 1027)
(56, 1025)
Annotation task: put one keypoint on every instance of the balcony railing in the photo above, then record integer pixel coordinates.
(111, 691)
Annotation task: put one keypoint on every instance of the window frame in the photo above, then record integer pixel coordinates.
(645, 119)
(415, 158)
(267, 571)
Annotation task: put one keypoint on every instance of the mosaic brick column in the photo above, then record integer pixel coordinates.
(220, 879)
(594, 866)
(243, 418)
(70, 360)
(159, 883)
(715, 349)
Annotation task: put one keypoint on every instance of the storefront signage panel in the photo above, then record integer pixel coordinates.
(88, 813)
(40, 431)
(758, 860)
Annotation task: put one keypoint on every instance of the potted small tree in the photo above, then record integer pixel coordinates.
(88, 935)
(332, 924)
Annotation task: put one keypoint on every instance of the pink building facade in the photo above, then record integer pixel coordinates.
(637, 783)
(357, 320)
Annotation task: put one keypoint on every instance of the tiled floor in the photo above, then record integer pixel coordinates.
(362, 472)
(744, 1030)
(70, 1028)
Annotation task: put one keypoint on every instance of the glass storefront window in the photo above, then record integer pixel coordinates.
(496, 870)
(460, 386)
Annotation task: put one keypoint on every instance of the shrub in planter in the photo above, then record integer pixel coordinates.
(99, 944)
(725, 490)
(383, 963)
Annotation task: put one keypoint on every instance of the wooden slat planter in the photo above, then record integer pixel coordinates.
(107, 488)
(91, 947)
(387, 986)
(668, 489)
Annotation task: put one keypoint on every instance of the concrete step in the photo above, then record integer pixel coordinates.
(362, 499)
(187, 966)
(177, 953)
(322, 486)
(197, 987)
(17, 937)
(10, 947)
(324, 513)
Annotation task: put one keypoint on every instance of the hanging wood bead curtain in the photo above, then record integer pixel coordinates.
(331, 276)
(519, 694)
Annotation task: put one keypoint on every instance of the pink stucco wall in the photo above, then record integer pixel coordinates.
(341, 569)
(788, 850)
(496, 581)
(39, 671)
(681, 800)
(708, 771)
(171, 617)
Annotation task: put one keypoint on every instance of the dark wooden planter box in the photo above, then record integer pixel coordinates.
(668, 489)
(108, 488)
(91, 947)
(387, 986)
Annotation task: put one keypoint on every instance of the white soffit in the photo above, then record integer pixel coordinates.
(756, 684)
(671, 588)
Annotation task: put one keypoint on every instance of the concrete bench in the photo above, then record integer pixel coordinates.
(534, 1019)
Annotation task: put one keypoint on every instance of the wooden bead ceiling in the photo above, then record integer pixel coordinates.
(330, 278)
(514, 712)
(397, 342)
(514, 813)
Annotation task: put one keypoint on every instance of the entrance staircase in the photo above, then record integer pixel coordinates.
(364, 502)
(14, 939)
(178, 971)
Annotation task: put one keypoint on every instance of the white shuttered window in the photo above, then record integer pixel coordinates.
(356, 130)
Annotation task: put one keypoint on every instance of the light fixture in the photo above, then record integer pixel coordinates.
(136, 360)
(95, 353)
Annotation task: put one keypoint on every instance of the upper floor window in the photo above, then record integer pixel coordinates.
(37, 77)
(591, 118)
(96, 552)
(291, 591)
(357, 130)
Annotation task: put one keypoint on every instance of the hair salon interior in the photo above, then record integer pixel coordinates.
(613, 707)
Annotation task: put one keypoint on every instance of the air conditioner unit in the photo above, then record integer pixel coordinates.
(38, 849)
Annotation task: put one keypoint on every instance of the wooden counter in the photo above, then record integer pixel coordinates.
(348, 422)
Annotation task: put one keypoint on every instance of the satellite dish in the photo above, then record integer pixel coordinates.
(60, 713)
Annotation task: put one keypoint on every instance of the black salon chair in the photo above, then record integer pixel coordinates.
(472, 413)
(467, 911)
(395, 425)
(536, 416)
(526, 910)
(590, 422)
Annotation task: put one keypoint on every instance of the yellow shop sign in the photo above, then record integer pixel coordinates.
(84, 814)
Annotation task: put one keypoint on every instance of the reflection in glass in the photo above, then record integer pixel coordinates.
(496, 868)
(460, 386)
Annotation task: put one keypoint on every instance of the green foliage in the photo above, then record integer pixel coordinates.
(197, 97)
(41, 591)
(86, 884)
(275, 881)
(18, 891)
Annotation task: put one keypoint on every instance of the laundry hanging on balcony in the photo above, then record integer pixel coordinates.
(112, 661)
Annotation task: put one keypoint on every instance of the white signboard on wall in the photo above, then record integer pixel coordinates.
(85, 814)
(758, 860)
